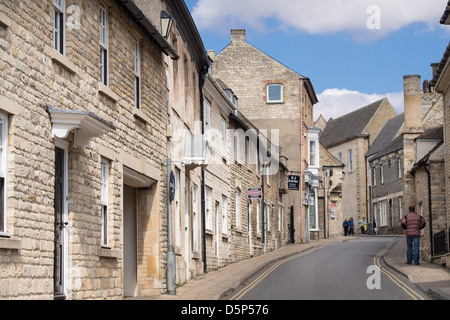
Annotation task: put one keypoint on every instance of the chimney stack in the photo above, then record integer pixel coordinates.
(237, 36)
(413, 100)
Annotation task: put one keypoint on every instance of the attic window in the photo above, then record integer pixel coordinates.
(274, 93)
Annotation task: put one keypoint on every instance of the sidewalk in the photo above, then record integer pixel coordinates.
(432, 279)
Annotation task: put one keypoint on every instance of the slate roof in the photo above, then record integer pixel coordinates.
(446, 13)
(441, 65)
(386, 135)
(437, 133)
(349, 125)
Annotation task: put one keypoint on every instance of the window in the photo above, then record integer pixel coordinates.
(223, 126)
(207, 119)
(104, 200)
(224, 215)
(340, 156)
(312, 153)
(104, 44)
(195, 218)
(258, 225)
(238, 209)
(137, 74)
(3, 169)
(208, 207)
(374, 177)
(381, 174)
(400, 207)
(274, 93)
(399, 168)
(59, 25)
(237, 146)
(383, 213)
(279, 218)
(350, 160)
(177, 208)
(268, 210)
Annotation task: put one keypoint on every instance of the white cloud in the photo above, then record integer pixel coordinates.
(334, 103)
(316, 17)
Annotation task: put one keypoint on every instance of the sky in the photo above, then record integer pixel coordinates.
(354, 51)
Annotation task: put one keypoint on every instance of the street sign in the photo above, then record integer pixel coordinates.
(172, 186)
(294, 183)
(254, 193)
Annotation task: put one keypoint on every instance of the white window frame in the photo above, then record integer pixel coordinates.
(399, 168)
(381, 174)
(400, 207)
(3, 170)
(224, 215)
(59, 26)
(237, 146)
(223, 127)
(105, 172)
(312, 153)
(374, 176)
(137, 75)
(195, 218)
(207, 119)
(258, 223)
(350, 160)
(177, 208)
(238, 208)
(104, 44)
(269, 100)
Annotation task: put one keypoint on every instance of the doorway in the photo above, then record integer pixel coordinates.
(60, 227)
(130, 280)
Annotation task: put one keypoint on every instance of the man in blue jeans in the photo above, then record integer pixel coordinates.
(413, 223)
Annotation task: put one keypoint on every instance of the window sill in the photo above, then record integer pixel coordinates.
(5, 20)
(140, 115)
(7, 243)
(61, 60)
(106, 252)
(106, 91)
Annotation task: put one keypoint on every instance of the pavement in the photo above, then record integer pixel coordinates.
(432, 279)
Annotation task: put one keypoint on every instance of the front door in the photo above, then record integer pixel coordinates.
(130, 281)
(60, 223)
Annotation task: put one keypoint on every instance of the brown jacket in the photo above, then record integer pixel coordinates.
(414, 223)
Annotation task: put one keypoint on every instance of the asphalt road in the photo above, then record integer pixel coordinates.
(338, 271)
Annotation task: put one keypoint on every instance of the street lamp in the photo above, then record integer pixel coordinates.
(166, 23)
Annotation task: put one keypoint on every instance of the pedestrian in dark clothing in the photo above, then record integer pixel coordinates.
(374, 226)
(345, 225)
(351, 226)
(413, 223)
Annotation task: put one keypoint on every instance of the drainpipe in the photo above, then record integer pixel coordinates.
(203, 208)
(427, 169)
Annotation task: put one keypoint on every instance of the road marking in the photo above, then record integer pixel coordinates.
(414, 295)
(241, 293)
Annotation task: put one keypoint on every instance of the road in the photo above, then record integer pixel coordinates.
(337, 271)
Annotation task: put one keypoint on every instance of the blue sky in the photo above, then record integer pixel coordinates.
(354, 51)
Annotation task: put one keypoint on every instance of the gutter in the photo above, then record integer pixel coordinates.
(146, 24)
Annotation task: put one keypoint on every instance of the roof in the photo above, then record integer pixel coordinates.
(394, 145)
(350, 125)
(446, 14)
(386, 135)
(157, 38)
(432, 134)
(441, 66)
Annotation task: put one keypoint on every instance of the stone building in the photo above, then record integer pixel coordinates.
(274, 98)
(441, 83)
(348, 139)
(84, 112)
(386, 182)
(329, 197)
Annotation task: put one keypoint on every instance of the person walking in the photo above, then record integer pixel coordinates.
(413, 223)
(374, 226)
(345, 225)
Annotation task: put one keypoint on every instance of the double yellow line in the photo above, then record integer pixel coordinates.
(241, 293)
(414, 295)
